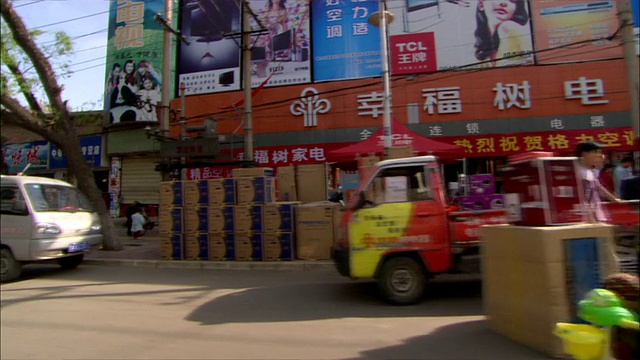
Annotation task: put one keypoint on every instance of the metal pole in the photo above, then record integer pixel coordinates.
(183, 112)
(630, 60)
(246, 75)
(386, 124)
(166, 71)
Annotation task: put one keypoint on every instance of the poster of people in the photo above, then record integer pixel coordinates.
(463, 33)
(280, 54)
(211, 61)
(346, 45)
(576, 28)
(134, 61)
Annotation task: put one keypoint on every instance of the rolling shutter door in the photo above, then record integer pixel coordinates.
(140, 181)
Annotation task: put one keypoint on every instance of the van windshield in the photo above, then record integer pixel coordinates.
(46, 197)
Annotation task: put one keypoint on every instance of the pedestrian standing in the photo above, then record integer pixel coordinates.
(623, 171)
(591, 159)
(138, 221)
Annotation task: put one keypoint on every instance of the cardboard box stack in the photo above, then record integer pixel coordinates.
(567, 262)
(286, 183)
(317, 225)
(481, 194)
(171, 220)
(312, 183)
(221, 200)
(280, 231)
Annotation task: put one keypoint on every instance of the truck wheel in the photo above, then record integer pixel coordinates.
(401, 281)
(10, 268)
(70, 262)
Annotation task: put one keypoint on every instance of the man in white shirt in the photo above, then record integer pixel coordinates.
(591, 158)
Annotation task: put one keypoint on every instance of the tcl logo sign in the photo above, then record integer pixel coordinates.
(413, 53)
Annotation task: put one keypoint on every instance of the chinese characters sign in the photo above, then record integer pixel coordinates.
(17, 156)
(91, 147)
(345, 44)
(413, 53)
(134, 61)
(559, 142)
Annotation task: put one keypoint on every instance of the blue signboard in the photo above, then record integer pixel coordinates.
(346, 45)
(91, 147)
(17, 156)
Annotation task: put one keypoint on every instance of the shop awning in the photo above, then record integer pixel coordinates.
(402, 136)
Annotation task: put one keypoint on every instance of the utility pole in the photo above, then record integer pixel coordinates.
(246, 76)
(166, 69)
(630, 60)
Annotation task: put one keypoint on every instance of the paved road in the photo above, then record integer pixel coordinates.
(98, 312)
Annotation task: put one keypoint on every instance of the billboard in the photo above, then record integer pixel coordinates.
(211, 61)
(468, 34)
(280, 54)
(134, 61)
(17, 156)
(91, 147)
(345, 44)
(578, 26)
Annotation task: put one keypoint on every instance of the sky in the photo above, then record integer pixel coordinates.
(84, 88)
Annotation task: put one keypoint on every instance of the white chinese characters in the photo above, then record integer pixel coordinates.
(444, 100)
(510, 95)
(589, 91)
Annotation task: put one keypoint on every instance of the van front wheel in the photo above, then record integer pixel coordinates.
(10, 268)
(401, 281)
(70, 262)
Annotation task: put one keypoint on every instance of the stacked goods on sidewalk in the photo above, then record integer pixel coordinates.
(243, 218)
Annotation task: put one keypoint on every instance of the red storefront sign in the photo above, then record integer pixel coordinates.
(413, 53)
(557, 142)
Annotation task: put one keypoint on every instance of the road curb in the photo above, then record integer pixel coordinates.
(217, 265)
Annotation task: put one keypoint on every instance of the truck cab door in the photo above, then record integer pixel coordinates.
(399, 211)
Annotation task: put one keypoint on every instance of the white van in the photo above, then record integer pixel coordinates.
(44, 219)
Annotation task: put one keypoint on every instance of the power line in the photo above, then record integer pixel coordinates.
(27, 4)
(70, 20)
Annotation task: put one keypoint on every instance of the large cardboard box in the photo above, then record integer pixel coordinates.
(280, 216)
(312, 183)
(533, 277)
(251, 172)
(249, 247)
(366, 165)
(196, 246)
(398, 152)
(279, 246)
(286, 183)
(196, 219)
(316, 230)
(248, 218)
(255, 190)
(221, 219)
(172, 193)
(222, 246)
(196, 193)
(222, 192)
(172, 246)
(170, 220)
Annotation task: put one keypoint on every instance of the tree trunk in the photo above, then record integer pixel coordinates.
(83, 174)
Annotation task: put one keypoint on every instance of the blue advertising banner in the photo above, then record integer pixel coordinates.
(17, 156)
(91, 149)
(345, 44)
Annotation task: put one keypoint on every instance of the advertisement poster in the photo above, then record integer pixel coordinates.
(468, 33)
(413, 53)
(17, 156)
(635, 8)
(281, 52)
(345, 44)
(91, 147)
(581, 22)
(134, 61)
(211, 61)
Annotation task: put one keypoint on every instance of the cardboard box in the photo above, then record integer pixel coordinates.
(544, 191)
(312, 183)
(197, 246)
(248, 218)
(196, 219)
(279, 246)
(170, 220)
(172, 193)
(482, 184)
(221, 219)
(196, 193)
(286, 183)
(222, 192)
(528, 278)
(280, 216)
(398, 152)
(222, 246)
(316, 230)
(251, 172)
(255, 190)
(249, 247)
(474, 202)
(172, 246)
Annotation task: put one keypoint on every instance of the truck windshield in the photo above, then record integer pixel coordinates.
(47, 197)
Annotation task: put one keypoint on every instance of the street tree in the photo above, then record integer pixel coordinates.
(26, 69)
